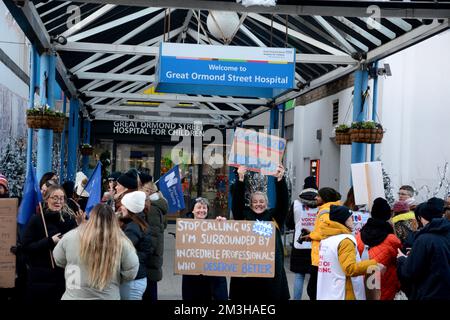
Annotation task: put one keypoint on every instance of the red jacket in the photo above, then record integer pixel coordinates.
(386, 254)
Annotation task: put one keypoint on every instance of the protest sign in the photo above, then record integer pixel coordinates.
(258, 151)
(226, 248)
(359, 220)
(8, 227)
(368, 184)
(306, 218)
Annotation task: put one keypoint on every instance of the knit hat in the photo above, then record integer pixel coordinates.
(145, 177)
(329, 195)
(114, 176)
(340, 213)
(381, 209)
(128, 179)
(4, 181)
(433, 208)
(134, 201)
(310, 183)
(400, 207)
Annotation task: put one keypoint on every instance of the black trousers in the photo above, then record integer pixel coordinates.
(312, 284)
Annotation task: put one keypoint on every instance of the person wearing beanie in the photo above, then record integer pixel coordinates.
(325, 198)
(145, 178)
(126, 183)
(156, 208)
(202, 288)
(4, 191)
(301, 218)
(426, 270)
(341, 271)
(377, 236)
(137, 230)
(404, 221)
(260, 288)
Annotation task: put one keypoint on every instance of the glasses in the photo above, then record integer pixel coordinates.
(56, 198)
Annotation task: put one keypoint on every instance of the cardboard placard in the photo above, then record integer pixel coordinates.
(8, 231)
(258, 151)
(368, 184)
(225, 248)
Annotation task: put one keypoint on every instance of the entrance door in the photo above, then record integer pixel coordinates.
(141, 157)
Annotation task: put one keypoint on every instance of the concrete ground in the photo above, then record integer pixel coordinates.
(169, 288)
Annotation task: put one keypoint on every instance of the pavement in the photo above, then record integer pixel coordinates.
(169, 288)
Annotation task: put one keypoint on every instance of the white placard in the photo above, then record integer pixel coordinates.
(367, 182)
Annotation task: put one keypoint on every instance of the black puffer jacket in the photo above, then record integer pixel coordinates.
(44, 282)
(141, 241)
(258, 289)
(427, 269)
(156, 220)
(301, 258)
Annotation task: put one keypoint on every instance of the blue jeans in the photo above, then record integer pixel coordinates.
(133, 290)
(298, 285)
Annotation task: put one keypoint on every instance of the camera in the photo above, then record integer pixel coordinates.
(304, 232)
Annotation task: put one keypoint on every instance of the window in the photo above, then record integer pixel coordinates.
(335, 112)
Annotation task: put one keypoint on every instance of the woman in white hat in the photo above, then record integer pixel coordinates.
(137, 230)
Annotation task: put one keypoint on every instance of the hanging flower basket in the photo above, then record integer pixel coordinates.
(366, 132)
(86, 149)
(343, 134)
(41, 117)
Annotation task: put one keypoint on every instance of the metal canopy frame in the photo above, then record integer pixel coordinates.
(108, 60)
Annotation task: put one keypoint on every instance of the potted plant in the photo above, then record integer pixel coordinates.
(366, 132)
(42, 117)
(343, 134)
(86, 149)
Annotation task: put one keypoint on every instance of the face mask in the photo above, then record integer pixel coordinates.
(154, 197)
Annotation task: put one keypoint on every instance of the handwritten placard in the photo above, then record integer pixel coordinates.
(226, 248)
(8, 225)
(258, 151)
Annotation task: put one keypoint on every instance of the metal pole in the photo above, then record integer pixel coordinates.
(87, 137)
(374, 107)
(33, 67)
(361, 79)
(63, 145)
(72, 147)
(273, 125)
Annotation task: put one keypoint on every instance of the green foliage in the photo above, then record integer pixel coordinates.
(342, 128)
(366, 125)
(44, 111)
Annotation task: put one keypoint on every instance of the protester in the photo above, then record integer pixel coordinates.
(325, 199)
(378, 236)
(4, 192)
(48, 176)
(200, 287)
(340, 272)
(108, 196)
(81, 196)
(426, 270)
(406, 193)
(155, 212)
(258, 289)
(98, 256)
(404, 220)
(302, 208)
(44, 279)
(126, 183)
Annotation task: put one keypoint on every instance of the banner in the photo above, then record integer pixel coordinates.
(8, 225)
(257, 151)
(170, 187)
(94, 188)
(225, 248)
(225, 70)
(31, 197)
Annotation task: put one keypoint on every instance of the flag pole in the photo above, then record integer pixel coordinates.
(46, 234)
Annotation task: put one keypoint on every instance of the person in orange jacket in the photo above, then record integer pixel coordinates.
(382, 244)
(326, 197)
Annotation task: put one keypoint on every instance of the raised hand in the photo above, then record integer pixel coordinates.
(280, 172)
(242, 170)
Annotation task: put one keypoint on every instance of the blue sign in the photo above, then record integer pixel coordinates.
(225, 70)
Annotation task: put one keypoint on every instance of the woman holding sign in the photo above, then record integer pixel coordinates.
(200, 287)
(275, 288)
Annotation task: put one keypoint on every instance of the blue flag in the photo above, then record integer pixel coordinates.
(94, 188)
(170, 187)
(31, 197)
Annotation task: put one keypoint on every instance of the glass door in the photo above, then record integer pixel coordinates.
(141, 157)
